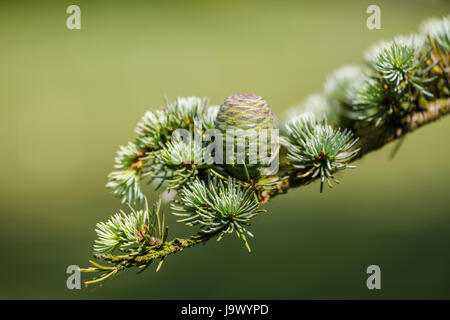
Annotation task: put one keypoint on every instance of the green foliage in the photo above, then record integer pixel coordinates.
(399, 76)
(209, 117)
(372, 53)
(180, 162)
(438, 39)
(153, 130)
(439, 31)
(179, 153)
(319, 149)
(125, 181)
(130, 232)
(217, 206)
(372, 102)
(401, 66)
(151, 154)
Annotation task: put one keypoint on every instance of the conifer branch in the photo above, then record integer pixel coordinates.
(152, 254)
(143, 260)
(369, 140)
(403, 86)
(434, 111)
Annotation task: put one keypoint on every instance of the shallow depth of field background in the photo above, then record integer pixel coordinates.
(68, 99)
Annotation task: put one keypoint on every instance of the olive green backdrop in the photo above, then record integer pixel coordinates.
(68, 99)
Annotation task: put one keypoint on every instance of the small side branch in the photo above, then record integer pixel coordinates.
(371, 138)
(144, 259)
(385, 134)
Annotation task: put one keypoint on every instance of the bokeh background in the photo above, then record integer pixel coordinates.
(68, 99)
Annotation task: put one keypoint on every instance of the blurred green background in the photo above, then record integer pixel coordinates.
(70, 98)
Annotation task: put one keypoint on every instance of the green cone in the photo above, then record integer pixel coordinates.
(245, 112)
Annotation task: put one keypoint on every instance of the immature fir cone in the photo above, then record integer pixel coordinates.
(252, 114)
